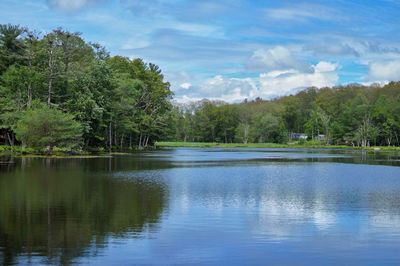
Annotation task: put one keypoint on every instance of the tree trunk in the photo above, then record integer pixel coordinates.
(50, 84)
(110, 137)
(246, 129)
(115, 138)
(10, 140)
(140, 141)
(122, 140)
(29, 104)
(143, 142)
(49, 91)
(30, 59)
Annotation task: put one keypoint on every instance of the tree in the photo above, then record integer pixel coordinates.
(268, 128)
(47, 127)
(383, 116)
(11, 45)
(318, 122)
(243, 132)
(140, 101)
(114, 99)
(91, 96)
(17, 85)
(243, 128)
(366, 132)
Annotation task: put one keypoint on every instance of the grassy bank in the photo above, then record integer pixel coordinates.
(162, 144)
(315, 145)
(18, 151)
(57, 152)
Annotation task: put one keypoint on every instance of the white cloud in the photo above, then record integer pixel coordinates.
(324, 67)
(276, 58)
(185, 85)
(228, 89)
(197, 29)
(219, 88)
(384, 71)
(280, 83)
(69, 5)
(268, 85)
(182, 81)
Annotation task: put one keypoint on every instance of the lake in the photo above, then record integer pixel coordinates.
(203, 206)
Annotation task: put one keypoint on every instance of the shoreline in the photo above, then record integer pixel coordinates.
(17, 151)
(165, 144)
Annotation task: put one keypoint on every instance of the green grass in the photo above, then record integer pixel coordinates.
(219, 145)
(31, 152)
(165, 144)
(18, 151)
(14, 150)
(66, 153)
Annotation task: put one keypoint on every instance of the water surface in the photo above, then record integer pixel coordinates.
(203, 206)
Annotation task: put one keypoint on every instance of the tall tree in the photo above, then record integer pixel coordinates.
(11, 45)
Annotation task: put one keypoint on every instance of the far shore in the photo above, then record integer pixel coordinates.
(17, 151)
(165, 144)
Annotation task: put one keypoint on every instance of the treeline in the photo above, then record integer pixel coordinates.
(353, 115)
(58, 90)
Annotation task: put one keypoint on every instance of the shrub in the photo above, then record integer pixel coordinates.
(46, 127)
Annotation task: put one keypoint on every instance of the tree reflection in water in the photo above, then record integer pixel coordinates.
(57, 210)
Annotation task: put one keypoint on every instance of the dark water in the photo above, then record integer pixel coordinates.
(203, 206)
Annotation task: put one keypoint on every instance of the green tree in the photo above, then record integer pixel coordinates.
(11, 45)
(46, 127)
(268, 128)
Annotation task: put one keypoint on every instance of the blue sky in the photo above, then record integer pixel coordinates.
(235, 49)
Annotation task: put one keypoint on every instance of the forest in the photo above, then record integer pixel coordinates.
(59, 91)
(353, 115)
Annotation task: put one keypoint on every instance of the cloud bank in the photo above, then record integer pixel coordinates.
(384, 71)
(268, 85)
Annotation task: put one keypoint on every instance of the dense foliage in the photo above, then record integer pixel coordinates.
(352, 115)
(118, 102)
(48, 127)
(97, 100)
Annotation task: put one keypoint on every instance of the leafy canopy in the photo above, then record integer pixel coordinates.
(44, 126)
